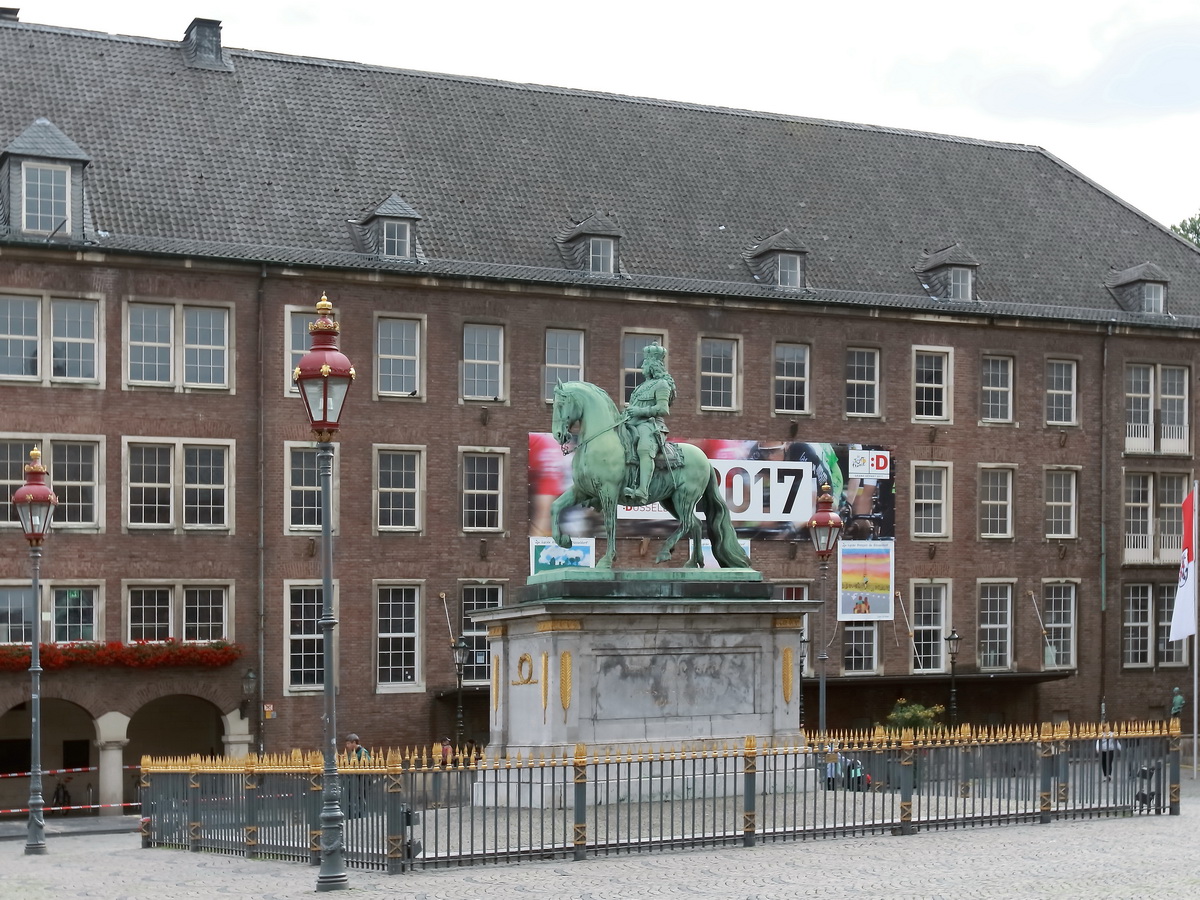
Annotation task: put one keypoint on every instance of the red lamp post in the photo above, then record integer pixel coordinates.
(824, 529)
(323, 376)
(34, 503)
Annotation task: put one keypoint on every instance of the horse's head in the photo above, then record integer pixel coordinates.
(566, 414)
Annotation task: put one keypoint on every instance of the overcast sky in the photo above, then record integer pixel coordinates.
(1110, 87)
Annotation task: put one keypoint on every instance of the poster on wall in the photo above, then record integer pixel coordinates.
(544, 554)
(866, 574)
(770, 488)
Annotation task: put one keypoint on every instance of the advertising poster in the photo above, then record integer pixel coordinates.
(865, 577)
(770, 488)
(544, 554)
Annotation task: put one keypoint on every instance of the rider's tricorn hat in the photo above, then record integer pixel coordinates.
(655, 351)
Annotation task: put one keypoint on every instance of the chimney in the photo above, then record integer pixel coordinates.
(9, 13)
(202, 45)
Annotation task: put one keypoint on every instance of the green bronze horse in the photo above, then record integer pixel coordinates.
(601, 474)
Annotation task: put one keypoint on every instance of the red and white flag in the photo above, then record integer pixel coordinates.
(1183, 616)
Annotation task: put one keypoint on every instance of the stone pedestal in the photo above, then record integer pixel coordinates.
(657, 658)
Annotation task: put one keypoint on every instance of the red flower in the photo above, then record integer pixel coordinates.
(138, 655)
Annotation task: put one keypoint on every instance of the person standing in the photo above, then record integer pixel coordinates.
(1177, 702)
(357, 786)
(1107, 746)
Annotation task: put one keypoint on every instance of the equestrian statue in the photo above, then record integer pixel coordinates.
(626, 459)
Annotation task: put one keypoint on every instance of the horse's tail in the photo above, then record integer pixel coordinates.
(726, 549)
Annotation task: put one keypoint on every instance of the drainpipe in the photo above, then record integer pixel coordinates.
(1104, 442)
(262, 506)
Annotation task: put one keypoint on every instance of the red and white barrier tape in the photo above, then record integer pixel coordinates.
(58, 771)
(25, 809)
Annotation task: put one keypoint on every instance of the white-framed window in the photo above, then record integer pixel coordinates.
(1061, 392)
(601, 257)
(564, 359)
(791, 377)
(1061, 503)
(862, 381)
(633, 343)
(297, 319)
(305, 640)
(476, 597)
(996, 389)
(718, 373)
(178, 484)
(860, 650)
(931, 499)
(16, 613)
(74, 462)
(49, 340)
(399, 479)
(178, 345)
(76, 612)
(1153, 296)
(1170, 653)
(1153, 516)
(399, 343)
(960, 283)
(930, 613)
(302, 512)
(790, 270)
(932, 380)
(398, 639)
(1058, 619)
(995, 624)
(181, 611)
(482, 489)
(1137, 626)
(995, 502)
(483, 362)
(396, 238)
(1156, 395)
(47, 198)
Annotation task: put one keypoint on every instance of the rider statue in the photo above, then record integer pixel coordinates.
(648, 404)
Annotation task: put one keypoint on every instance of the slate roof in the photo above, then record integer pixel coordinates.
(43, 139)
(269, 159)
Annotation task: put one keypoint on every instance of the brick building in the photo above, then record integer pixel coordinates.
(170, 211)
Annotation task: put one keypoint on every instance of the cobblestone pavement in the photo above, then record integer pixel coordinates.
(1139, 857)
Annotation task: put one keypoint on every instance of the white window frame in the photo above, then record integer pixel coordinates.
(631, 375)
(995, 509)
(945, 404)
(925, 591)
(1154, 296)
(995, 624)
(553, 367)
(789, 271)
(1137, 626)
(1061, 631)
(707, 376)
(46, 339)
(785, 374)
(873, 384)
(416, 636)
(1055, 394)
(417, 358)
(335, 503)
(1168, 653)
(418, 492)
(476, 635)
(178, 346)
(317, 635)
(601, 255)
(1159, 539)
(21, 589)
(960, 283)
(499, 364)
(296, 320)
(50, 634)
(1147, 405)
(1071, 474)
(395, 238)
(499, 453)
(871, 631)
(48, 444)
(992, 395)
(177, 610)
(944, 502)
(178, 449)
(60, 228)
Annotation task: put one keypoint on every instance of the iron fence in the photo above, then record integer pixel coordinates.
(406, 809)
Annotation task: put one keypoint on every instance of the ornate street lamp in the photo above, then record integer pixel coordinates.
(803, 657)
(34, 503)
(460, 662)
(953, 641)
(323, 377)
(824, 528)
(249, 688)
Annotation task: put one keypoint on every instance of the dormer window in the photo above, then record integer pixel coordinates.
(600, 255)
(959, 286)
(47, 198)
(396, 238)
(1152, 297)
(1139, 289)
(948, 274)
(778, 260)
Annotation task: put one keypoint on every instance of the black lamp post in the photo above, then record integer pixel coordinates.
(460, 662)
(953, 641)
(324, 376)
(803, 658)
(249, 686)
(34, 503)
(824, 528)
